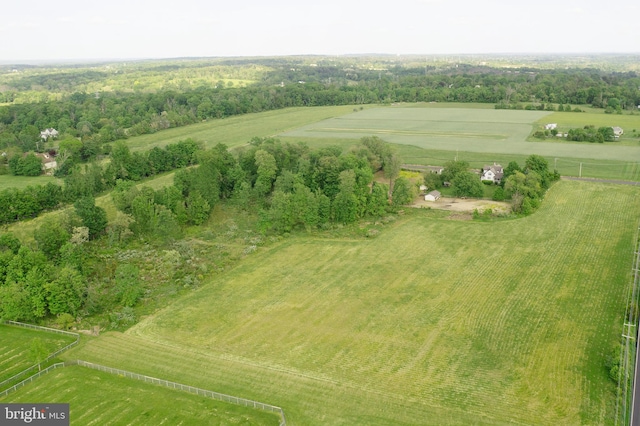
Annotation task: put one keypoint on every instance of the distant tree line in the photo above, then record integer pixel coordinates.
(104, 117)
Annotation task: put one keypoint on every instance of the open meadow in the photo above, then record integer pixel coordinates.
(434, 321)
(100, 398)
(15, 347)
(463, 129)
(239, 130)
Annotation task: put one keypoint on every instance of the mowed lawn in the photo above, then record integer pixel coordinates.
(15, 347)
(99, 398)
(434, 321)
(464, 129)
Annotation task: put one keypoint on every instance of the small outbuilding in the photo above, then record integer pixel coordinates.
(551, 126)
(432, 196)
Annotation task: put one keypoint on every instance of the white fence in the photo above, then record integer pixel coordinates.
(31, 379)
(50, 357)
(201, 392)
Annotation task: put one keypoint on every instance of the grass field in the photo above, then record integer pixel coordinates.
(100, 398)
(239, 130)
(21, 182)
(434, 321)
(15, 344)
(464, 129)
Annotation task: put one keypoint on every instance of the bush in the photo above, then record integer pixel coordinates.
(498, 195)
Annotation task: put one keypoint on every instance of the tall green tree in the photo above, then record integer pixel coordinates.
(67, 293)
(403, 192)
(467, 184)
(50, 236)
(92, 216)
(267, 170)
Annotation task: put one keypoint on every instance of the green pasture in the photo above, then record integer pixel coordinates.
(15, 347)
(481, 131)
(239, 130)
(95, 397)
(21, 182)
(434, 321)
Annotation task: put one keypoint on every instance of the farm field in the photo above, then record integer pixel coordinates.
(15, 345)
(434, 321)
(96, 397)
(239, 130)
(464, 129)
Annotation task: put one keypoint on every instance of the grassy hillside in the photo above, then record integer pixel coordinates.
(435, 321)
(101, 398)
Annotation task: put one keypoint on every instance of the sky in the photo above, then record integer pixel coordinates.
(135, 29)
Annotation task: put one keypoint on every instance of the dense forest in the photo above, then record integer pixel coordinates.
(116, 108)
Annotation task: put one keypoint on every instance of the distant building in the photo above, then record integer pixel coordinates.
(551, 126)
(48, 133)
(492, 173)
(432, 196)
(49, 162)
(617, 132)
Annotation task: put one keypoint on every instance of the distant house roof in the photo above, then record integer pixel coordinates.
(49, 133)
(550, 126)
(48, 161)
(617, 131)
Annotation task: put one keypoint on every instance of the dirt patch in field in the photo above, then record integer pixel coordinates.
(464, 205)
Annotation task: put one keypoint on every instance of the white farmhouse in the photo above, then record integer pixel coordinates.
(492, 173)
(550, 126)
(48, 133)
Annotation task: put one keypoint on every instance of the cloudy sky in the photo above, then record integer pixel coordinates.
(87, 29)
